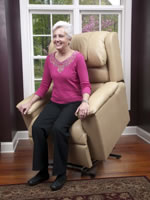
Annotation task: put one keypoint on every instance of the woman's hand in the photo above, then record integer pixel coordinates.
(23, 108)
(83, 110)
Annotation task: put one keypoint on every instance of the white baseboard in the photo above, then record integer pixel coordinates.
(135, 130)
(143, 134)
(9, 147)
(130, 130)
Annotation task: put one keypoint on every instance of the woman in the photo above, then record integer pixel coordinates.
(69, 101)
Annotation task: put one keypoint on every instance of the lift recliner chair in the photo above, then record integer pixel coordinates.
(94, 137)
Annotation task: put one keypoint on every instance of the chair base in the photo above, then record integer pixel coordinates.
(84, 170)
(118, 156)
(89, 171)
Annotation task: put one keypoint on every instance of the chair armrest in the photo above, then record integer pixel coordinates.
(101, 95)
(37, 104)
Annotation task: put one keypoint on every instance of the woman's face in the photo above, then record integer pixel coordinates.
(60, 39)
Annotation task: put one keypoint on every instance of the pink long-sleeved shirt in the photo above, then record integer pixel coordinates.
(70, 78)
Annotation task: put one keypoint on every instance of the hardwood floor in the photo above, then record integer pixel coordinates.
(17, 167)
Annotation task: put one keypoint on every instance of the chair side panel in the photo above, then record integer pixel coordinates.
(106, 126)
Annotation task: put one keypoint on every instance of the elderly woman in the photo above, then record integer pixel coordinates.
(69, 101)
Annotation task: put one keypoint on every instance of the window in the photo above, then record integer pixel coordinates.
(54, 2)
(102, 22)
(99, 2)
(41, 37)
(38, 17)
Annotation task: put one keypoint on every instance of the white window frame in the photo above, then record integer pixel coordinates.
(124, 32)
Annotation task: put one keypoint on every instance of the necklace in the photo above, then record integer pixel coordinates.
(62, 64)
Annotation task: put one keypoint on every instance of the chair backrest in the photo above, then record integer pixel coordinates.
(102, 55)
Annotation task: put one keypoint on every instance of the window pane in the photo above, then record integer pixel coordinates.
(110, 2)
(39, 1)
(109, 23)
(60, 17)
(63, 2)
(38, 68)
(89, 2)
(37, 84)
(41, 45)
(41, 24)
(90, 23)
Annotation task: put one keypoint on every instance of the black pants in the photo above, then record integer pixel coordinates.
(55, 119)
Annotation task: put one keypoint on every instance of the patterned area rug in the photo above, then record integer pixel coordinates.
(124, 188)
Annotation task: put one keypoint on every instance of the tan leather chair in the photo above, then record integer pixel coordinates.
(95, 137)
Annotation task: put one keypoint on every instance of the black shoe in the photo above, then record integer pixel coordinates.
(38, 178)
(59, 182)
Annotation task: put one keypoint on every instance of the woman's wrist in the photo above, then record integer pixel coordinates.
(85, 101)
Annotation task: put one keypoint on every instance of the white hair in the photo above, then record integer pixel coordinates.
(67, 27)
